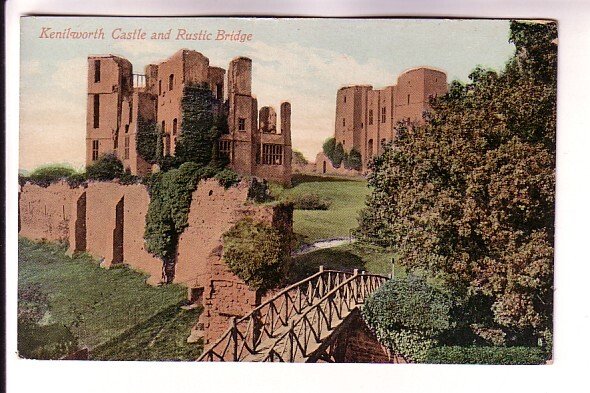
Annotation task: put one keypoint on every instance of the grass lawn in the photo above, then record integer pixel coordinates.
(348, 257)
(347, 197)
(99, 305)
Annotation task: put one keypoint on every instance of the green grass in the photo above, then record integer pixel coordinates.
(348, 257)
(162, 337)
(347, 198)
(99, 305)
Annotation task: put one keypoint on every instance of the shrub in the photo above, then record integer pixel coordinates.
(486, 355)
(227, 178)
(77, 179)
(48, 174)
(308, 202)
(256, 252)
(107, 167)
(408, 315)
(259, 191)
(298, 158)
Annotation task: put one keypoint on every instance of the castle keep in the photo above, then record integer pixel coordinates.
(366, 118)
(119, 99)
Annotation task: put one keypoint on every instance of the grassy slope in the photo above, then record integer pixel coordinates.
(105, 303)
(347, 257)
(347, 198)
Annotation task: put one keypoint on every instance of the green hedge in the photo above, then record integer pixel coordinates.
(486, 355)
(408, 315)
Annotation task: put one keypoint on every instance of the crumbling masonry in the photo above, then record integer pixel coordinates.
(117, 98)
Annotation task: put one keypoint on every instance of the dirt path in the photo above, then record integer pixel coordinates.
(322, 244)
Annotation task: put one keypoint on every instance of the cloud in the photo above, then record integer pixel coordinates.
(70, 76)
(309, 78)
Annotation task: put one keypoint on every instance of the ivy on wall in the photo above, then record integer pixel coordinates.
(146, 139)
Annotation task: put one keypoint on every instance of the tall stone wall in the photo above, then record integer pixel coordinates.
(46, 213)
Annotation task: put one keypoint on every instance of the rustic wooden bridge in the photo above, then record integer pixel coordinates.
(299, 323)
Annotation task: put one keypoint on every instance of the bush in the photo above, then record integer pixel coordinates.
(408, 315)
(227, 178)
(298, 158)
(486, 355)
(308, 202)
(259, 191)
(107, 167)
(46, 175)
(77, 179)
(256, 252)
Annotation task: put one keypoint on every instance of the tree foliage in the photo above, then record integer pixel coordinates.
(338, 156)
(407, 315)
(329, 147)
(470, 196)
(255, 252)
(107, 167)
(353, 160)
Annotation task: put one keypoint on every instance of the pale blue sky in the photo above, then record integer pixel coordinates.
(303, 61)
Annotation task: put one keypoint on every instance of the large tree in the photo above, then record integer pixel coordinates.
(470, 195)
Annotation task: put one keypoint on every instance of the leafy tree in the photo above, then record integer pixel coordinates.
(329, 147)
(470, 196)
(299, 158)
(338, 155)
(353, 160)
(45, 175)
(407, 315)
(107, 167)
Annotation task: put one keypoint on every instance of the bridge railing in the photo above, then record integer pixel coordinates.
(268, 320)
(307, 331)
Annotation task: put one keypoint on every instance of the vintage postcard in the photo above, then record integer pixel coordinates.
(287, 190)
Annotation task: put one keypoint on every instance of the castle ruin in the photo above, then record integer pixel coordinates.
(366, 118)
(118, 99)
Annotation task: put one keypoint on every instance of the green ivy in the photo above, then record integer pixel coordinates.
(146, 139)
(486, 355)
(255, 252)
(199, 133)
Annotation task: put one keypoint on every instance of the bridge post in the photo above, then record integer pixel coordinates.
(291, 339)
(355, 272)
(234, 334)
(321, 268)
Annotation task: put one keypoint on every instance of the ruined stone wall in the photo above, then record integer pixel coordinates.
(46, 213)
(200, 264)
(107, 220)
